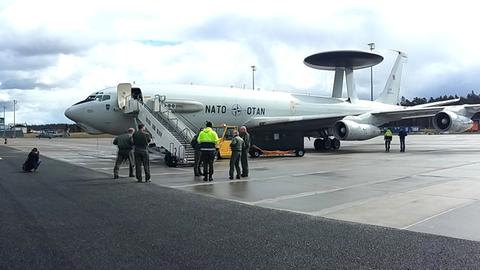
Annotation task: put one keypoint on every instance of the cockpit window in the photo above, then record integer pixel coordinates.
(95, 96)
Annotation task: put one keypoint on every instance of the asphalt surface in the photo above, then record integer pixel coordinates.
(68, 217)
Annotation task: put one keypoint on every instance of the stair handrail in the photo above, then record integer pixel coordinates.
(174, 121)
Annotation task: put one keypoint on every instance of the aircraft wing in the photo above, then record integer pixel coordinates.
(437, 103)
(472, 108)
(315, 122)
(310, 124)
(302, 122)
(406, 113)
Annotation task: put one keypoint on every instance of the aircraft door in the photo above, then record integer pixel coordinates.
(124, 92)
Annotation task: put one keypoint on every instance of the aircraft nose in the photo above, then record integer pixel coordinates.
(69, 113)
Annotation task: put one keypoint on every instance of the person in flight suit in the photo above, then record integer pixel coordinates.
(208, 140)
(246, 148)
(237, 146)
(140, 140)
(125, 146)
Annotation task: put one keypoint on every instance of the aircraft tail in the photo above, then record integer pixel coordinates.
(391, 92)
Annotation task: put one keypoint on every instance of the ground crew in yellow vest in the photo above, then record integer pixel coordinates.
(236, 145)
(388, 139)
(246, 148)
(125, 146)
(140, 140)
(208, 140)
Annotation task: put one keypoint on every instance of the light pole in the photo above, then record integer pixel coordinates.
(4, 126)
(253, 76)
(14, 127)
(372, 47)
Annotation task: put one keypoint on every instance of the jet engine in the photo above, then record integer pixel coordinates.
(451, 122)
(349, 130)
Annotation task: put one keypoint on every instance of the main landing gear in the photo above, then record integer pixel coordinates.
(326, 144)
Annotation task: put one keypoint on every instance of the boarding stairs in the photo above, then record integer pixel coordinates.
(167, 129)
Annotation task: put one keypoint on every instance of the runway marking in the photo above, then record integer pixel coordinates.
(343, 206)
(437, 215)
(310, 173)
(229, 181)
(310, 193)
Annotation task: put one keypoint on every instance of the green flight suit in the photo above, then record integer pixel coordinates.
(140, 141)
(124, 144)
(236, 145)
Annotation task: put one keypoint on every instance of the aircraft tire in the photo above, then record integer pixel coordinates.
(335, 144)
(299, 152)
(255, 154)
(171, 161)
(318, 144)
(327, 144)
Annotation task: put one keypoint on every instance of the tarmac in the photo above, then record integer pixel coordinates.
(356, 208)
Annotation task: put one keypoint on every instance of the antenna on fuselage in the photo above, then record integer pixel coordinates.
(343, 63)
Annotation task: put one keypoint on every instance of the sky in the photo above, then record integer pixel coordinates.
(55, 53)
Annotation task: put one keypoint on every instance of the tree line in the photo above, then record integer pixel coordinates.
(471, 98)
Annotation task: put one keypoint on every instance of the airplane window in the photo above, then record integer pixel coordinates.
(88, 99)
(105, 97)
(98, 98)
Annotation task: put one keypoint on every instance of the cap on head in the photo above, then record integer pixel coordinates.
(243, 129)
(141, 126)
(34, 150)
(209, 124)
(131, 130)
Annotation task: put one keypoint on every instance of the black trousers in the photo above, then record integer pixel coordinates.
(402, 145)
(208, 156)
(197, 166)
(387, 145)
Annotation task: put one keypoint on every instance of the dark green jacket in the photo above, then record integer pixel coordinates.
(237, 144)
(140, 140)
(246, 140)
(123, 142)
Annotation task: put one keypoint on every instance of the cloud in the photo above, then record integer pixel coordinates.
(71, 49)
(21, 84)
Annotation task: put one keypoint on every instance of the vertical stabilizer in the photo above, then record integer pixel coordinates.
(391, 92)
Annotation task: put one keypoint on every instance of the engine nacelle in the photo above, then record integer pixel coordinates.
(349, 130)
(451, 122)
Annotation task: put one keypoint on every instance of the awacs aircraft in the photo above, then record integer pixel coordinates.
(173, 113)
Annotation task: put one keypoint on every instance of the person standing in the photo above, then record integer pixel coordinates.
(125, 146)
(196, 146)
(402, 134)
(140, 140)
(388, 139)
(245, 150)
(208, 140)
(237, 146)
